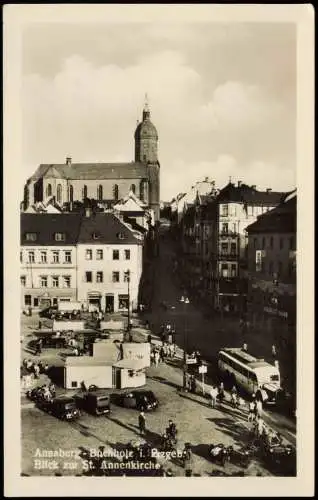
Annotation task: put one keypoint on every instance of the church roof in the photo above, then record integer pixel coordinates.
(94, 171)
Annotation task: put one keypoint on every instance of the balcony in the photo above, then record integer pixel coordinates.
(228, 234)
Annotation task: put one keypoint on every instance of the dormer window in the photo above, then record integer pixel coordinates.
(59, 236)
(120, 236)
(31, 236)
(96, 236)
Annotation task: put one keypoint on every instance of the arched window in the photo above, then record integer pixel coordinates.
(115, 191)
(71, 193)
(133, 188)
(100, 193)
(49, 190)
(84, 192)
(59, 193)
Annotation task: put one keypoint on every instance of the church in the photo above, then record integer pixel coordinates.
(70, 182)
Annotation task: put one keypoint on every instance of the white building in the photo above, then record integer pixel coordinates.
(91, 258)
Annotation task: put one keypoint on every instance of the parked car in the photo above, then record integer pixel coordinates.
(49, 312)
(140, 400)
(96, 402)
(62, 407)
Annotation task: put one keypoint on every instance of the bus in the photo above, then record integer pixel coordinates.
(252, 375)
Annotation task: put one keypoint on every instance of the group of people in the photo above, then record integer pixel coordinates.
(36, 368)
(160, 353)
(47, 392)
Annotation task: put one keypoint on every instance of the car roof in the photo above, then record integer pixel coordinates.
(63, 399)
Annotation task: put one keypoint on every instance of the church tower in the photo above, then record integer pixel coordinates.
(146, 151)
(146, 138)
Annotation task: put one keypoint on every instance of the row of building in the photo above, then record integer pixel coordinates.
(93, 258)
(238, 249)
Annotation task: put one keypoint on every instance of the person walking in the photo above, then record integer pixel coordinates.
(187, 460)
(142, 423)
(36, 369)
(260, 425)
(149, 338)
(251, 411)
(157, 358)
(244, 348)
(38, 347)
(259, 408)
(213, 395)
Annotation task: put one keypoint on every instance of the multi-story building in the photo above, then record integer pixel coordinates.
(48, 258)
(236, 207)
(272, 270)
(109, 262)
(93, 258)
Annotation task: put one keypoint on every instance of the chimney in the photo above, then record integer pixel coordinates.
(268, 190)
(239, 183)
(69, 161)
(253, 187)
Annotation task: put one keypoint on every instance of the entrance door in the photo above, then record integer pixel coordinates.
(109, 308)
(94, 303)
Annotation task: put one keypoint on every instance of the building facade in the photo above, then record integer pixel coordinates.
(70, 182)
(272, 272)
(91, 258)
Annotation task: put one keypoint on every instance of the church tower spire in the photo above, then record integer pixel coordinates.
(146, 138)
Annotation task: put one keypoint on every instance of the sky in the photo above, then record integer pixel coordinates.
(222, 97)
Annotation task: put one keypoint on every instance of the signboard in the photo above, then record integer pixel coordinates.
(203, 369)
(191, 361)
(137, 351)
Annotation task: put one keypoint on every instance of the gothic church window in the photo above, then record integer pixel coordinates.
(133, 188)
(84, 192)
(100, 193)
(49, 190)
(71, 193)
(59, 193)
(115, 191)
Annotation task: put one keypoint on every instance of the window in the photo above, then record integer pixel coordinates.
(224, 248)
(43, 257)
(56, 257)
(31, 256)
(281, 243)
(225, 210)
(234, 228)
(127, 276)
(133, 188)
(88, 276)
(99, 277)
(115, 192)
(71, 193)
(122, 301)
(115, 254)
(99, 254)
(100, 193)
(59, 193)
(224, 270)
(55, 281)
(74, 383)
(233, 248)
(21, 256)
(115, 277)
(233, 270)
(30, 236)
(270, 267)
(27, 300)
(67, 281)
(43, 281)
(68, 256)
(225, 228)
(23, 280)
(258, 261)
(271, 242)
(49, 190)
(84, 192)
(127, 254)
(59, 236)
(35, 302)
(89, 254)
(263, 242)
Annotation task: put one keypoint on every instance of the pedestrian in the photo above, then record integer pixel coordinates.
(274, 352)
(46, 368)
(52, 389)
(234, 399)
(149, 338)
(157, 358)
(187, 460)
(251, 411)
(152, 358)
(240, 402)
(276, 363)
(38, 347)
(162, 354)
(259, 407)
(36, 369)
(213, 394)
(260, 426)
(170, 338)
(142, 423)
(171, 350)
(193, 384)
(244, 347)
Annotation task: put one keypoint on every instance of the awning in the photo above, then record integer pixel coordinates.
(93, 295)
(130, 364)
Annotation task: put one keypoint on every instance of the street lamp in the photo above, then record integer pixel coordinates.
(185, 301)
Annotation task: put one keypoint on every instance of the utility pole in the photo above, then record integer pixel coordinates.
(185, 301)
